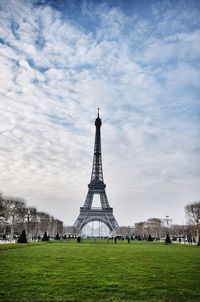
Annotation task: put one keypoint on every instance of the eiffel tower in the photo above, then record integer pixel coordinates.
(96, 186)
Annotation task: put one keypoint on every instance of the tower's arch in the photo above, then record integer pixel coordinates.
(87, 221)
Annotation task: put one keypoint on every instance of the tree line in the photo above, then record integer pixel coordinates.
(159, 228)
(16, 216)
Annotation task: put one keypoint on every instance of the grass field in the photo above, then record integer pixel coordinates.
(101, 271)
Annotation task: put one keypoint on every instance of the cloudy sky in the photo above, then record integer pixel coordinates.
(136, 60)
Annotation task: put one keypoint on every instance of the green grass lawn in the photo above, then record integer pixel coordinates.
(101, 271)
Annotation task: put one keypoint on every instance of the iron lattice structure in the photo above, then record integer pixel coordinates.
(97, 186)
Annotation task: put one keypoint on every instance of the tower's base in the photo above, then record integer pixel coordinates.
(88, 215)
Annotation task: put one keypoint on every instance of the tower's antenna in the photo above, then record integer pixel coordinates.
(98, 112)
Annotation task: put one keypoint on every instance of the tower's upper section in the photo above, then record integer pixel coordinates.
(98, 120)
(97, 171)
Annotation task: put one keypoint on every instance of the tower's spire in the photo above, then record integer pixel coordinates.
(97, 171)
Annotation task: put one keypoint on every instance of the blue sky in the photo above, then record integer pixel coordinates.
(136, 60)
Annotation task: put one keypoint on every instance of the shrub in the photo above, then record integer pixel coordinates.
(167, 240)
(57, 237)
(45, 237)
(22, 238)
(150, 238)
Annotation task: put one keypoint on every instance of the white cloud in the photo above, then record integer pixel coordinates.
(56, 73)
(180, 46)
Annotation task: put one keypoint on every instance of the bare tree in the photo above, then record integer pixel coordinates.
(2, 209)
(1, 202)
(51, 226)
(177, 230)
(3, 216)
(14, 211)
(43, 222)
(193, 213)
(58, 226)
(15, 216)
(125, 231)
(139, 228)
(70, 230)
(30, 220)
